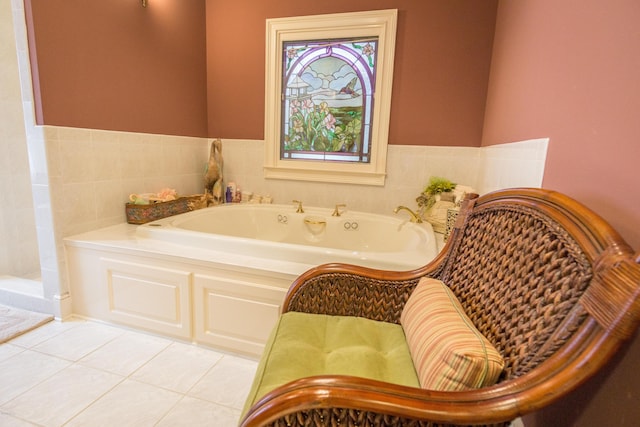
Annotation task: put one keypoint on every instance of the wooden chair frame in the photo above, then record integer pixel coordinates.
(546, 280)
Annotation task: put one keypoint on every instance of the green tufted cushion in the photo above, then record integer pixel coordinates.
(303, 345)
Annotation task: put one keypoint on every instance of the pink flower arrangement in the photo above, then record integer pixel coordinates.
(167, 194)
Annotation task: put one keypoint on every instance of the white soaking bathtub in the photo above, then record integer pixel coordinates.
(314, 237)
(218, 276)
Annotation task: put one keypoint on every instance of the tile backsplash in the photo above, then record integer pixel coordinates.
(92, 172)
(409, 168)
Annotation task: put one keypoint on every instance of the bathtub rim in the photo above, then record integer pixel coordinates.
(397, 260)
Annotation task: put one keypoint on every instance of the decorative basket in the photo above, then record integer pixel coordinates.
(141, 214)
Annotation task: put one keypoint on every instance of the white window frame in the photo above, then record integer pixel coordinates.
(380, 23)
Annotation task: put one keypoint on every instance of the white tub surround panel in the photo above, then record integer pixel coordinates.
(224, 300)
(236, 311)
(151, 296)
(218, 276)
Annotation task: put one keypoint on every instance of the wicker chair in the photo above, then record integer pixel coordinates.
(547, 281)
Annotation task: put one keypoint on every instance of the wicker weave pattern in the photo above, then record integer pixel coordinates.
(341, 417)
(345, 295)
(518, 278)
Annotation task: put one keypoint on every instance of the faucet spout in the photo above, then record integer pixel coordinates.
(414, 217)
(337, 211)
(299, 209)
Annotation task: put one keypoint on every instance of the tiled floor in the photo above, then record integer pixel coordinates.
(81, 373)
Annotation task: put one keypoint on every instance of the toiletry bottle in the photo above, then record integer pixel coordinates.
(233, 190)
(228, 196)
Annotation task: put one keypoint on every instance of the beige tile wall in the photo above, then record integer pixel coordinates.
(409, 168)
(93, 172)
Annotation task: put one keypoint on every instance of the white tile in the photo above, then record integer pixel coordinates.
(153, 156)
(191, 412)
(46, 390)
(64, 395)
(105, 147)
(45, 332)
(9, 421)
(8, 350)
(130, 403)
(132, 157)
(76, 343)
(79, 202)
(109, 203)
(76, 158)
(24, 370)
(178, 367)
(126, 353)
(228, 383)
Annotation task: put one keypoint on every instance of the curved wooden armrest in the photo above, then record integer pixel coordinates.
(334, 395)
(349, 290)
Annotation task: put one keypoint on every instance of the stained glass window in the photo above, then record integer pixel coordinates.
(328, 89)
(328, 81)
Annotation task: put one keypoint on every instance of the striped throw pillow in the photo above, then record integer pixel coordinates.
(448, 352)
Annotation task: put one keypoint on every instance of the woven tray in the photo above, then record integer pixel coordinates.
(141, 214)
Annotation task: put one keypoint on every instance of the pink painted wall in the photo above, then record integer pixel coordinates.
(570, 70)
(443, 53)
(115, 65)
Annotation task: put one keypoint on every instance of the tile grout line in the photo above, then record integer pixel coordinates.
(120, 378)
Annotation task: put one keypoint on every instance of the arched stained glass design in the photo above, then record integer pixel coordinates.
(328, 90)
(328, 94)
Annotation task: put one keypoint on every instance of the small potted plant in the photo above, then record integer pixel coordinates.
(434, 202)
(437, 185)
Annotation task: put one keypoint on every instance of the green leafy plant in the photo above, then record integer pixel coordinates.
(437, 185)
(322, 128)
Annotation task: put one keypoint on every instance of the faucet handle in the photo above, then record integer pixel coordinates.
(336, 211)
(299, 208)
